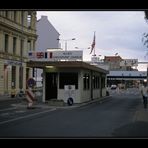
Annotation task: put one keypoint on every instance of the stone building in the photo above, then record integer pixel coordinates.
(17, 37)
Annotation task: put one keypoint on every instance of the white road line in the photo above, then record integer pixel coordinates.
(11, 120)
(11, 108)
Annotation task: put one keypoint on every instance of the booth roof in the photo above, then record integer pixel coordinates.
(65, 64)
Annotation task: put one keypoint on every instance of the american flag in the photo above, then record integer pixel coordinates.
(93, 44)
(31, 54)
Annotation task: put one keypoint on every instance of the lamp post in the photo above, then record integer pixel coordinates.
(65, 40)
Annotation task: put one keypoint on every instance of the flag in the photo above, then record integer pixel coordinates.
(93, 44)
(31, 54)
(40, 54)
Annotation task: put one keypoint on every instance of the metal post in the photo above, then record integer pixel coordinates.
(65, 45)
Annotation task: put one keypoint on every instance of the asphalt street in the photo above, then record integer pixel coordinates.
(121, 115)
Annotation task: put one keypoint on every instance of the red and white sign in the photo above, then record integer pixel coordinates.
(57, 55)
(30, 97)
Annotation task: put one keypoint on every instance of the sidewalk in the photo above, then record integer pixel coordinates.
(6, 98)
(141, 114)
(37, 103)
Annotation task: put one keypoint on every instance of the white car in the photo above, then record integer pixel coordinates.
(113, 86)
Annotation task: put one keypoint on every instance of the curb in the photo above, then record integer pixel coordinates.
(85, 103)
(101, 100)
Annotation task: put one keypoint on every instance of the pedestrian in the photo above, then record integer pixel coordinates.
(144, 92)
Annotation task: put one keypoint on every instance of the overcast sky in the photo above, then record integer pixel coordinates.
(116, 31)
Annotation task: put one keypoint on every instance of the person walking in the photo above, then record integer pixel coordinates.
(144, 92)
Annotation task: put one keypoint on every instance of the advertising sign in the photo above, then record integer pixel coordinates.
(56, 55)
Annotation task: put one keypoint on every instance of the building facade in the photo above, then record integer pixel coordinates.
(116, 63)
(17, 37)
(113, 62)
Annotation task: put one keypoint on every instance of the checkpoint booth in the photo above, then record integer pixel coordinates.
(64, 79)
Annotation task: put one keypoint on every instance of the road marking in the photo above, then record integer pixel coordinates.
(11, 120)
(11, 108)
(20, 111)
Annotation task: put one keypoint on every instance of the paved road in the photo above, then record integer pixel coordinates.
(122, 115)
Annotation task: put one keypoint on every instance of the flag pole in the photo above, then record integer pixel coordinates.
(95, 43)
(94, 52)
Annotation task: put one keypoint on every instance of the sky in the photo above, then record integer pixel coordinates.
(116, 32)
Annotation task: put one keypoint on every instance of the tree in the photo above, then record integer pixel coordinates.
(145, 35)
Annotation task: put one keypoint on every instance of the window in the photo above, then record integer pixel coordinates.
(103, 82)
(86, 79)
(29, 45)
(22, 18)
(13, 75)
(14, 45)
(33, 45)
(20, 77)
(29, 19)
(6, 43)
(68, 79)
(21, 48)
(96, 82)
(15, 16)
(7, 14)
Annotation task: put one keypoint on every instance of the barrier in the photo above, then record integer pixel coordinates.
(30, 98)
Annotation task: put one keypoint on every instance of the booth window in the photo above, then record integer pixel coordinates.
(86, 79)
(96, 82)
(103, 82)
(68, 79)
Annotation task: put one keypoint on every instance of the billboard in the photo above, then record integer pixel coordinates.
(129, 62)
(56, 55)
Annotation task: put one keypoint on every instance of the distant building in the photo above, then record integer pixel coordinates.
(47, 35)
(122, 72)
(17, 37)
(47, 39)
(113, 62)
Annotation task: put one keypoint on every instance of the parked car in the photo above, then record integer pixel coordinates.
(113, 86)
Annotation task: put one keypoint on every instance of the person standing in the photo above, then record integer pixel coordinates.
(144, 92)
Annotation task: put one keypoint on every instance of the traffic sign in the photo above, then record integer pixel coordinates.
(31, 82)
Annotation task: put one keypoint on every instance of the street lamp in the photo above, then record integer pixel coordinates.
(65, 40)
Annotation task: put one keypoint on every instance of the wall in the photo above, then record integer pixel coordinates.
(47, 35)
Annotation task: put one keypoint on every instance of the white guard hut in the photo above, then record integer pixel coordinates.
(66, 75)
